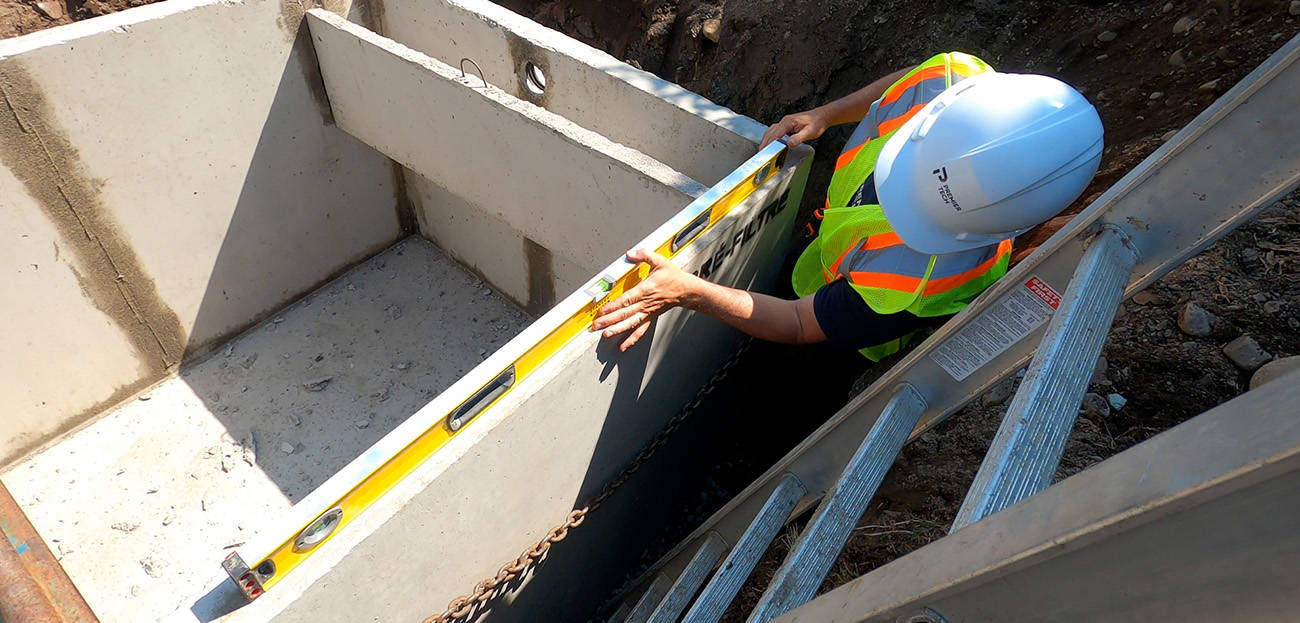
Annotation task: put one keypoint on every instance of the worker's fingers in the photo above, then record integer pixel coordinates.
(626, 324)
(612, 314)
(655, 260)
(635, 337)
(806, 133)
(781, 128)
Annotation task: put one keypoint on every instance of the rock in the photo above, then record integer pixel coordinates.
(145, 397)
(1209, 87)
(1195, 321)
(1102, 57)
(1107, 36)
(1168, 135)
(54, 9)
(1184, 24)
(361, 422)
(167, 520)
(1169, 6)
(1249, 255)
(1272, 307)
(998, 394)
(1275, 369)
(1094, 405)
(711, 29)
(1246, 353)
(287, 447)
(1099, 373)
(1146, 297)
(1116, 401)
(317, 385)
(1294, 9)
(1177, 59)
(1157, 95)
(125, 526)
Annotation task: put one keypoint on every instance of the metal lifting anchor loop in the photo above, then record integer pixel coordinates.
(480, 70)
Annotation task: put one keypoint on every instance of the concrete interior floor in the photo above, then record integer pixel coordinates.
(142, 504)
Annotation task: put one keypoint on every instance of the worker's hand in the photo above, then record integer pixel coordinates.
(666, 287)
(800, 127)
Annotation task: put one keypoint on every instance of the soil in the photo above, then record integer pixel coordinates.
(1149, 66)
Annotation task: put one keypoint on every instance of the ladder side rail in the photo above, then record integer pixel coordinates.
(805, 567)
(735, 569)
(1214, 170)
(1029, 443)
(645, 606)
(689, 582)
(1194, 524)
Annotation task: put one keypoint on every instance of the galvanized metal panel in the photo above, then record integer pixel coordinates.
(689, 582)
(1195, 524)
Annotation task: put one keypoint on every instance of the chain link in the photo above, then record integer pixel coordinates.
(462, 607)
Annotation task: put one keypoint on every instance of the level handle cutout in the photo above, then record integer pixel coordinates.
(481, 399)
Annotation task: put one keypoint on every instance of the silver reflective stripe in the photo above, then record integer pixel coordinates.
(896, 260)
(950, 264)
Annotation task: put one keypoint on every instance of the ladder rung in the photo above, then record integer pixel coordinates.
(696, 571)
(733, 572)
(810, 559)
(651, 598)
(1027, 449)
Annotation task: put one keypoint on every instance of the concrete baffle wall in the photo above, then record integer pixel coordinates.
(171, 174)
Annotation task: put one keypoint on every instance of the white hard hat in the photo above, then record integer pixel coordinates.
(990, 157)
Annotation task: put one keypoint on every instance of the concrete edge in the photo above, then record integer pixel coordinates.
(120, 21)
(651, 84)
(623, 155)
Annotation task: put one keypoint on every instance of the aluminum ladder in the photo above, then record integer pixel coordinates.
(1234, 159)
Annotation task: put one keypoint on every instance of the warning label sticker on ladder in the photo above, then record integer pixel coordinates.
(997, 328)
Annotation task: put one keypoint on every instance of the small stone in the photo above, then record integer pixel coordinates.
(167, 520)
(1099, 372)
(1246, 353)
(1294, 9)
(1169, 6)
(1094, 405)
(1209, 87)
(1116, 401)
(65, 549)
(1184, 24)
(125, 526)
(1195, 321)
(287, 447)
(1168, 135)
(52, 9)
(1177, 59)
(361, 422)
(294, 418)
(711, 29)
(1275, 369)
(394, 311)
(997, 394)
(1156, 95)
(1101, 57)
(1272, 307)
(1107, 36)
(318, 384)
(135, 591)
(145, 397)
(1249, 255)
(1145, 297)
(151, 567)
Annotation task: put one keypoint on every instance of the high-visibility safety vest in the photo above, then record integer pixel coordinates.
(856, 243)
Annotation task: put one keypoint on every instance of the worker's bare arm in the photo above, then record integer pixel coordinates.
(851, 108)
(667, 286)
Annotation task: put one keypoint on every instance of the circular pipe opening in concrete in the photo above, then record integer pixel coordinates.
(534, 78)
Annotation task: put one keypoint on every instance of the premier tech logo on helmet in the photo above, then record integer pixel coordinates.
(945, 191)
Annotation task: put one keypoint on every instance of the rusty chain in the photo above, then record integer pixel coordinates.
(463, 606)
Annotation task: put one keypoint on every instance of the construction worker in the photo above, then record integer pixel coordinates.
(949, 161)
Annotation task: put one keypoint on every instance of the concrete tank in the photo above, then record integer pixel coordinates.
(257, 255)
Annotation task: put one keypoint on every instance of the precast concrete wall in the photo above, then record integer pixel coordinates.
(510, 189)
(593, 89)
(171, 174)
(549, 444)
